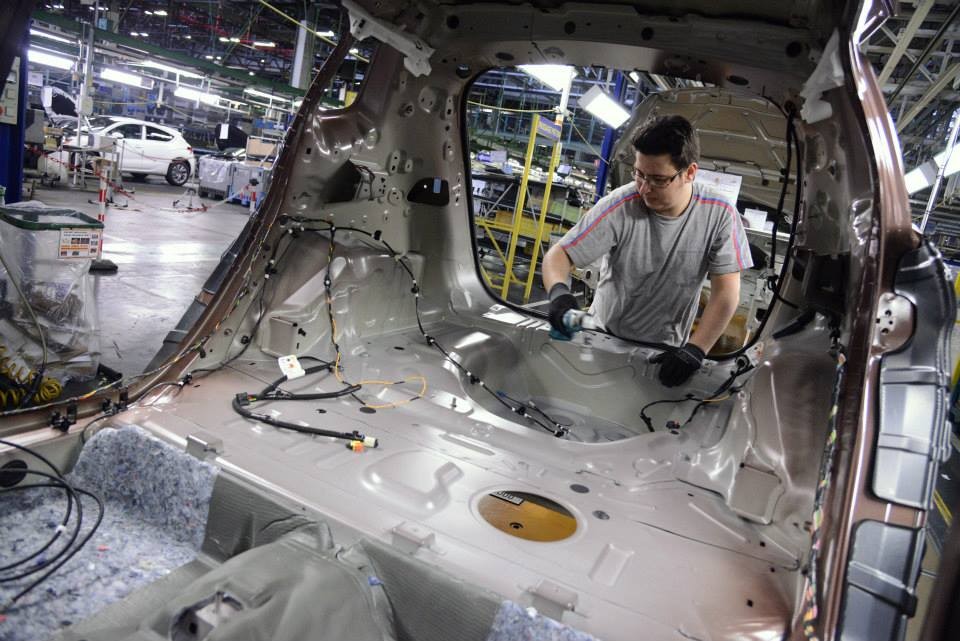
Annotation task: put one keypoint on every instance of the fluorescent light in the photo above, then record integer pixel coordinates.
(188, 37)
(325, 34)
(195, 94)
(234, 39)
(635, 77)
(925, 175)
(224, 39)
(169, 69)
(354, 50)
(916, 180)
(122, 77)
(49, 60)
(259, 43)
(263, 94)
(145, 35)
(604, 107)
(148, 12)
(134, 34)
(557, 77)
(50, 36)
(160, 12)
(209, 57)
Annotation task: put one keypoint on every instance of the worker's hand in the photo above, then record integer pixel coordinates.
(561, 300)
(678, 364)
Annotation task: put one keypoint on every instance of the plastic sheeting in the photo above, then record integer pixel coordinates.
(157, 499)
(215, 173)
(59, 290)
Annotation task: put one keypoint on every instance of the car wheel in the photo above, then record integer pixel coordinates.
(178, 173)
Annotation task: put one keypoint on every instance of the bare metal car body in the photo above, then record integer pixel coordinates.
(793, 508)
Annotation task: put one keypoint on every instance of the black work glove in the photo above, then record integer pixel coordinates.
(678, 364)
(561, 300)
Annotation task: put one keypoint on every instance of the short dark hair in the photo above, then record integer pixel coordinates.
(673, 135)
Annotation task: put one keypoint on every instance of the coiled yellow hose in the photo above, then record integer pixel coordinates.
(22, 379)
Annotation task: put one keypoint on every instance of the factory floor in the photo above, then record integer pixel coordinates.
(163, 255)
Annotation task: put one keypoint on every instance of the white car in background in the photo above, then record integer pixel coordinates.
(146, 148)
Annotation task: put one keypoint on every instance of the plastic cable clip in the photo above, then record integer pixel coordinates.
(371, 441)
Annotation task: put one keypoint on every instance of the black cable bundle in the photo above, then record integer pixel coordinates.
(556, 428)
(47, 565)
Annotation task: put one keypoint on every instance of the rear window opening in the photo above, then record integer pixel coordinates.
(743, 157)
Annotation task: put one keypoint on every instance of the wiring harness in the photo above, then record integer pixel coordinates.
(242, 401)
(273, 392)
(722, 393)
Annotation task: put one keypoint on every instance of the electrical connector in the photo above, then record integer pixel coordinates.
(243, 399)
(355, 446)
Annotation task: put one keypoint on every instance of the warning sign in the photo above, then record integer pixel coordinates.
(79, 243)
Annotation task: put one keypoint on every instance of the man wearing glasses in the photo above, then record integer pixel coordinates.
(658, 236)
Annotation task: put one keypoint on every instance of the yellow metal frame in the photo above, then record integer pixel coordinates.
(515, 229)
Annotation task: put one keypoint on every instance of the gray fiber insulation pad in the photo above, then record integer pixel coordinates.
(156, 503)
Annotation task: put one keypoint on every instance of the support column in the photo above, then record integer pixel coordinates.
(13, 128)
(302, 70)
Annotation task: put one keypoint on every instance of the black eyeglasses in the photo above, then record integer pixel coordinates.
(657, 182)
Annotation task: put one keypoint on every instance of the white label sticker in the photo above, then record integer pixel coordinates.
(79, 243)
(290, 366)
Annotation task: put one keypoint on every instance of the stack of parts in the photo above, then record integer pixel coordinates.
(156, 503)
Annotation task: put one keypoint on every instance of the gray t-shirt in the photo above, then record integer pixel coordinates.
(653, 266)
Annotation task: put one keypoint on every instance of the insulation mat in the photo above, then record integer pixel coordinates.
(156, 500)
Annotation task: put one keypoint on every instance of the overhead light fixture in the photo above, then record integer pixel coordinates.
(188, 37)
(160, 12)
(234, 39)
(148, 12)
(170, 69)
(326, 34)
(264, 43)
(926, 174)
(635, 77)
(48, 59)
(134, 34)
(50, 36)
(598, 103)
(354, 51)
(189, 93)
(209, 57)
(224, 39)
(262, 94)
(122, 77)
(144, 35)
(557, 77)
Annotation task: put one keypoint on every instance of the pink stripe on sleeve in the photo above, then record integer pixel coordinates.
(733, 228)
(606, 211)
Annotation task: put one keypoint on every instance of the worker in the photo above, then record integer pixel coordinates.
(659, 237)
